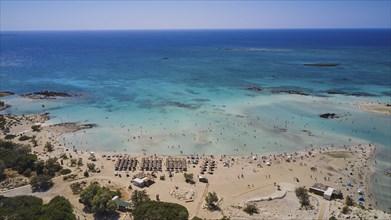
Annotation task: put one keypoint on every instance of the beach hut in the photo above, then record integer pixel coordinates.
(142, 180)
(318, 189)
(139, 182)
(202, 179)
(328, 193)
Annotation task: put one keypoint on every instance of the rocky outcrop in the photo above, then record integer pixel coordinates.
(46, 95)
(329, 115)
(6, 93)
(73, 126)
(3, 105)
(254, 88)
(289, 91)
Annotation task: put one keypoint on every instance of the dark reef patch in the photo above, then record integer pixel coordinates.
(181, 105)
(321, 64)
(336, 92)
(360, 94)
(46, 95)
(288, 91)
(329, 115)
(253, 88)
(201, 100)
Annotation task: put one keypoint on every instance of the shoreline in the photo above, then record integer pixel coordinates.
(281, 168)
(374, 107)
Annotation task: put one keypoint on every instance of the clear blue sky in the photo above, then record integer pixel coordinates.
(101, 15)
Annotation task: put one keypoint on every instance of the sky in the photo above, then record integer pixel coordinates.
(118, 15)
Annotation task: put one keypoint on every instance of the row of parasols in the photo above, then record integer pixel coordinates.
(176, 164)
(208, 166)
(126, 163)
(151, 164)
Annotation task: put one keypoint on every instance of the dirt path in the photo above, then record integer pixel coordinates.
(201, 201)
(323, 209)
(242, 193)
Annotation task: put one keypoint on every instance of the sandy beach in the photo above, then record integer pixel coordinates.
(379, 108)
(237, 180)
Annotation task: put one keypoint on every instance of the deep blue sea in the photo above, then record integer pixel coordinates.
(207, 91)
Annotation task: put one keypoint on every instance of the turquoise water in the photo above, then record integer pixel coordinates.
(196, 100)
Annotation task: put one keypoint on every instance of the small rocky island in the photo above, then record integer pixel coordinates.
(46, 95)
(329, 115)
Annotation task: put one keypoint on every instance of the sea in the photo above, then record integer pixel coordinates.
(233, 92)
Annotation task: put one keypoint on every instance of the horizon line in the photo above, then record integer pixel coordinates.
(191, 29)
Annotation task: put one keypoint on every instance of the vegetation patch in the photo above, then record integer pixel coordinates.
(31, 207)
(41, 182)
(160, 210)
(339, 154)
(16, 156)
(97, 199)
(251, 209)
(65, 171)
(24, 138)
(9, 136)
(302, 195)
(78, 187)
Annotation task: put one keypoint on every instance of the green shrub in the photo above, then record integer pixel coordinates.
(211, 199)
(251, 209)
(345, 210)
(160, 210)
(70, 177)
(349, 201)
(189, 177)
(91, 167)
(139, 196)
(302, 194)
(24, 138)
(65, 171)
(58, 208)
(36, 128)
(9, 136)
(31, 207)
(73, 162)
(20, 207)
(27, 172)
(17, 156)
(41, 182)
(80, 162)
(64, 156)
(49, 147)
(98, 199)
(77, 187)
